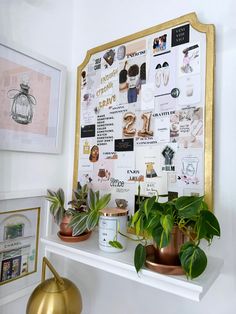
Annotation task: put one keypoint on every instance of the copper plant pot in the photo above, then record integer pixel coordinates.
(64, 229)
(169, 255)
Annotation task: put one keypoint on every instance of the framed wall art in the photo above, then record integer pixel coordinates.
(32, 95)
(23, 221)
(145, 113)
(19, 235)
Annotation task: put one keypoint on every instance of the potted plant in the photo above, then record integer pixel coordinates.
(87, 219)
(188, 218)
(58, 211)
(79, 220)
(63, 216)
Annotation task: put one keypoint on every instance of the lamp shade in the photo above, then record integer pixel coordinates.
(54, 296)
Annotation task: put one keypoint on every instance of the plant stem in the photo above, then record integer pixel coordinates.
(132, 239)
(186, 232)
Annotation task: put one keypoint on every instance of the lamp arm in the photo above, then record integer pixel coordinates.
(47, 263)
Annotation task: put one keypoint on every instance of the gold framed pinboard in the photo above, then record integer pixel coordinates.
(145, 113)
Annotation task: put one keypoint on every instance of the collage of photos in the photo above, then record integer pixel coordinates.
(142, 117)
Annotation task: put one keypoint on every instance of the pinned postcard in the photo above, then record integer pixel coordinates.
(168, 160)
(163, 73)
(102, 173)
(132, 76)
(164, 103)
(189, 59)
(191, 128)
(190, 168)
(153, 187)
(148, 161)
(124, 166)
(85, 147)
(147, 97)
(190, 90)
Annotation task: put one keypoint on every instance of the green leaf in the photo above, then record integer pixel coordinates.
(104, 200)
(139, 225)
(135, 217)
(51, 199)
(92, 220)
(153, 222)
(51, 193)
(59, 216)
(207, 225)
(116, 244)
(184, 247)
(193, 260)
(161, 238)
(97, 194)
(91, 200)
(139, 257)
(61, 196)
(84, 189)
(78, 223)
(167, 222)
(189, 206)
(148, 203)
(57, 200)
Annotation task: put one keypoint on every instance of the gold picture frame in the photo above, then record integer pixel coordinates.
(208, 73)
(19, 240)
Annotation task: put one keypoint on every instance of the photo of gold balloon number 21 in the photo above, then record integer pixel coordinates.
(129, 130)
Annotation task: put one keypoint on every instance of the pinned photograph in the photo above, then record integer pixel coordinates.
(162, 72)
(189, 59)
(168, 153)
(121, 52)
(109, 56)
(94, 153)
(132, 76)
(159, 44)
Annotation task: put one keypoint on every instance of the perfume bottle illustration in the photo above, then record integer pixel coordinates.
(86, 148)
(22, 104)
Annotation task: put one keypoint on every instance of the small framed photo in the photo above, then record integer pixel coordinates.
(19, 236)
(32, 96)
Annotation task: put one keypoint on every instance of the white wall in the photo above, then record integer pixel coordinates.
(46, 27)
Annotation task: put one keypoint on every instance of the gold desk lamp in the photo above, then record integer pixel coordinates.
(55, 295)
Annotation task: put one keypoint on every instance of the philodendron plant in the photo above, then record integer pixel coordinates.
(87, 220)
(190, 214)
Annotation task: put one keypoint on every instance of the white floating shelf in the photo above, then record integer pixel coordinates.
(121, 264)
